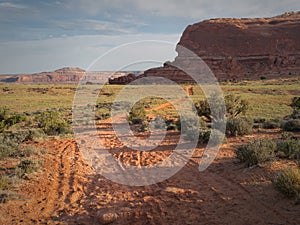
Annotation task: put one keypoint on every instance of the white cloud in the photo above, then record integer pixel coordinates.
(192, 9)
(91, 24)
(10, 5)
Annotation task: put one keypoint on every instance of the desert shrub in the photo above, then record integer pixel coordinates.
(295, 114)
(24, 135)
(26, 167)
(7, 147)
(217, 137)
(10, 142)
(4, 113)
(259, 120)
(52, 123)
(295, 103)
(190, 134)
(171, 124)
(16, 118)
(103, 110)
(287, 182)
(190, 122)
(272, 124)
(287, 135)
(5, 182)
(137, 114)
(190, 125)
(258, 151)
(204, 136)
(291, 125)
(143, 127)
(8, 119)
(239, 126)
(235, 106)
(289, 149)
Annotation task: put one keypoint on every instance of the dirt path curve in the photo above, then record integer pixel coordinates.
(67, 191)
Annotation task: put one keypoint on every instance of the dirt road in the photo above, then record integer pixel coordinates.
(67, 191)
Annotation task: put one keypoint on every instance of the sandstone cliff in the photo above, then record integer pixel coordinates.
(236, 49)
(64, 75)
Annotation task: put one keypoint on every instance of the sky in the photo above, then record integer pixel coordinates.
(38, 36)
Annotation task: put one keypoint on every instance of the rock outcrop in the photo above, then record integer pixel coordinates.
(238, 49)
(121, 78)
(64, 75)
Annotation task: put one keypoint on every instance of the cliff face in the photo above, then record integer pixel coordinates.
(236, 49)
(64, 75)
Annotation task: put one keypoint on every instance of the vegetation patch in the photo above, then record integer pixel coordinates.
(257, 151)
(287, 182)
(5, 182)
(53, 123)
(291, 125)
(26, 167)
(272, 124)
(289, 149)
(239, 126)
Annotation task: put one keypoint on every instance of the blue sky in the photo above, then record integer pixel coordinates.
(45, 35)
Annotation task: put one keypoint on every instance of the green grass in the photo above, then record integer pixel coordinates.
(268, 99)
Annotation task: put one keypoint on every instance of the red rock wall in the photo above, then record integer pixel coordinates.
(237, 49)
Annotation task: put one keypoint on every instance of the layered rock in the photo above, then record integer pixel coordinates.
(121, 78)
(236, 49)
(64, 75)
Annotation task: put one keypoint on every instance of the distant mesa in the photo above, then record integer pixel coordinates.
(64, 75)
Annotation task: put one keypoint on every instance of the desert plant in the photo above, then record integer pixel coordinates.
(291, 125)
(272, 124)
(137, 114)
(190, 125)
(235, 106)
(295, 114)
(287, 182)
(7, 147)
(258, 151)
(4, 113)
(171, 124)
(204, 134)
(239, 126)
(289, 149)
(26, 167)
(10, 142)
(286, 135)
(8, 119)
(5, 182)
(295, 103)
(52, 123)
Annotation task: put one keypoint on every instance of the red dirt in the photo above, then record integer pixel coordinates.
(67, 191)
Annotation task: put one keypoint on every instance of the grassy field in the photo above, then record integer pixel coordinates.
(268, 99)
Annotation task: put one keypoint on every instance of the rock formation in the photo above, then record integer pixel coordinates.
(237, 49)
(64, 75)
(122, 78)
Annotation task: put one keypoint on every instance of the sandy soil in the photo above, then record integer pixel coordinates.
(67, 191)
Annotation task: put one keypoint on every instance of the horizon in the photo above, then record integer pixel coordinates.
(43, 36)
